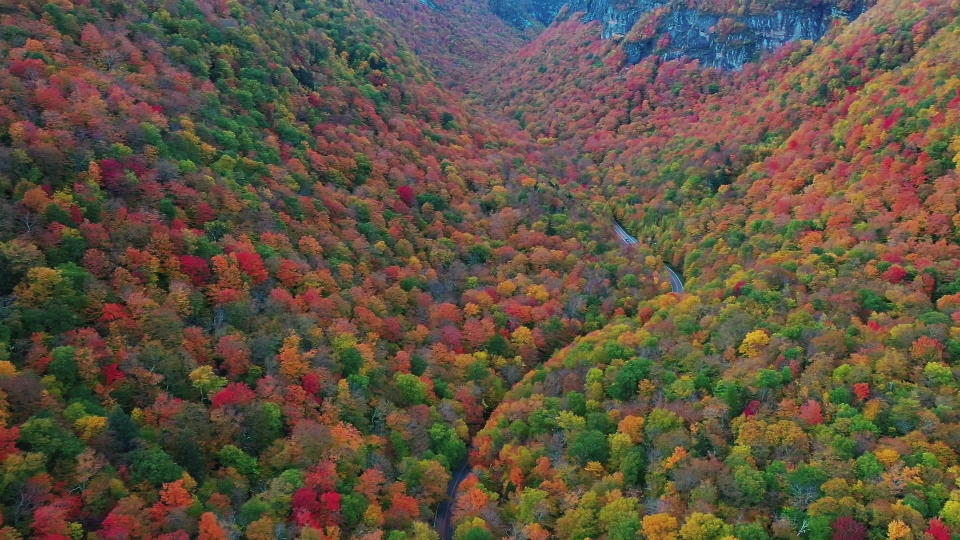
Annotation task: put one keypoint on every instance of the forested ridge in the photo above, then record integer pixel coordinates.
(266, 272)
(260, 274)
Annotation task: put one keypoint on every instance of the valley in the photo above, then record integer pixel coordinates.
(469, 269)
(443, 522)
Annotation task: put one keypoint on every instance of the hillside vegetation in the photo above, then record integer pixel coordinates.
(263, 276)
(805, 385)
(259, 274)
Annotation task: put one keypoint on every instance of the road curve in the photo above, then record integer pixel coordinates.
(676, 282)
(443, 520)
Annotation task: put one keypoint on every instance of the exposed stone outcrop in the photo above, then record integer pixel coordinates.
(716, 39)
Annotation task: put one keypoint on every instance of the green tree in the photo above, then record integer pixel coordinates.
(445, 442)
(750, 531)
(532, 506)
(805, 482)
(589, 446)
(660, 421)
(620, 518)
(153, 465)
(751, 484)
(45, 435)
(350, 361)
(868, 466)
(634, 467)
(244, 463)
(63, 366)
(410, 389)
(122, 430)
(951, 513)
(261, 425)
(626, 380)
(701, 526)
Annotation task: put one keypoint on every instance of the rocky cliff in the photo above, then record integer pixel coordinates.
(673, 29)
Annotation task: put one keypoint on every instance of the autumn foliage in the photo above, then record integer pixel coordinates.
(261, 273)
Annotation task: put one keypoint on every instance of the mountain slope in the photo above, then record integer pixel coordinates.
(260, 275)
(805, 383)
(457, 38)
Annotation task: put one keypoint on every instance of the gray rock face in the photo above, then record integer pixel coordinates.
(527, 13)
(692, 31)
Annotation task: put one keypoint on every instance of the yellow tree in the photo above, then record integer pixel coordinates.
(701, 526)
(293, 362)
(632, 426)
(754, 343)
(898, 529)
(660, 527)
(522, 336)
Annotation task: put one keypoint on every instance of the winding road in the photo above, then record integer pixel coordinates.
(676, 283)
(443, 520)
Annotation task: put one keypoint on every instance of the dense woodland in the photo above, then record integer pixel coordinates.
(260, 273)
(456, 39)
(275, 269)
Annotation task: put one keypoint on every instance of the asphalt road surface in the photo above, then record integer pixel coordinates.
(676, 283)
(443, 521)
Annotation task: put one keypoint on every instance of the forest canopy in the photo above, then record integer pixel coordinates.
(295, 269)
